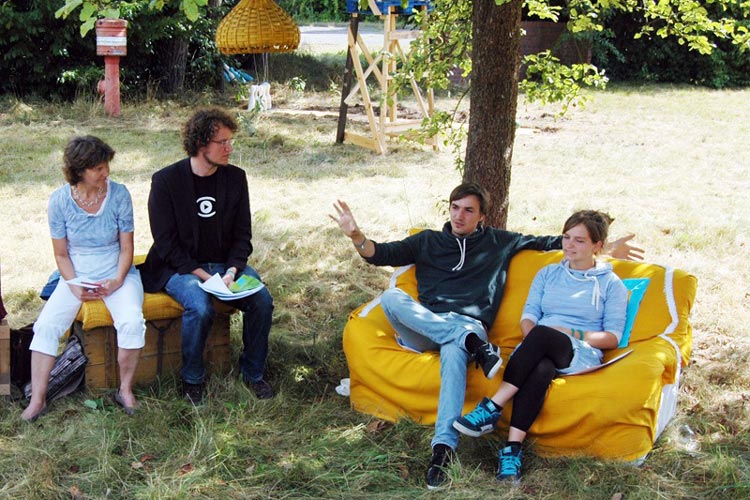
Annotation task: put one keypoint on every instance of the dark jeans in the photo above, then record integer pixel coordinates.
(257, 310)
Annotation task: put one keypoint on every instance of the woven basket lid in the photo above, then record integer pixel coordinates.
(257, 27)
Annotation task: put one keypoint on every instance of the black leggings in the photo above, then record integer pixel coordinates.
(532, 368)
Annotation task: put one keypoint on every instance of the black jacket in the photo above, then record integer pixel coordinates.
(462, 275)
(173, 216)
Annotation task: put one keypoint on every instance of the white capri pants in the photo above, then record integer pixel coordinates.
(125, 305)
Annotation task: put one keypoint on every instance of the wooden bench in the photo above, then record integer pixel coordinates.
(4, 357)
(162, 353)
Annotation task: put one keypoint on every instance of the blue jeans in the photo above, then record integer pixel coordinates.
(257, 310)
(419, 329)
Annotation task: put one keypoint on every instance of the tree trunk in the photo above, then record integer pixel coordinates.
(213, 6)
(174, 52)
(496, 39)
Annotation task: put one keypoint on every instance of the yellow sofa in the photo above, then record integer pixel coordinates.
(616, 412)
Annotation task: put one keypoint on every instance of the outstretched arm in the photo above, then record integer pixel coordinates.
(348, 226)
(622, 249)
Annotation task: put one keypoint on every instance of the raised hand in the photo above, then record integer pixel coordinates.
(622, 249)
(345, 219)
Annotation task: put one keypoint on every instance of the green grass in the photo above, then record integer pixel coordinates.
(670, 163)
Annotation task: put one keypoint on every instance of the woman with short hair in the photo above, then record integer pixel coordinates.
(91, 224)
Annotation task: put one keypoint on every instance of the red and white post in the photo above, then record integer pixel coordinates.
(111, 42)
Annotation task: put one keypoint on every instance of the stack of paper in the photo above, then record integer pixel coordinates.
(216, 287)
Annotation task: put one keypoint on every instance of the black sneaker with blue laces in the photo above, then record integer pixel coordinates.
(509, 464)
(488, 357)
(481, 420)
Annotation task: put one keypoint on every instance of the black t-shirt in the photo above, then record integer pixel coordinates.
(208, 219)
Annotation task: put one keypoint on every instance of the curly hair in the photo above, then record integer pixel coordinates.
(596, 223)
(202, 126)
(83, 152)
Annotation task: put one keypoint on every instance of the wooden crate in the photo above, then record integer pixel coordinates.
(162, 354)
(4, 358)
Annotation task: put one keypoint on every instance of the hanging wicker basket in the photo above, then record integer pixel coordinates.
(257, 27)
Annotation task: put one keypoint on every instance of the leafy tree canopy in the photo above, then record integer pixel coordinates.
(91, 10)
(447, 43)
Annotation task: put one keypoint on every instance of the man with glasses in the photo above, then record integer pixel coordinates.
(199, 211)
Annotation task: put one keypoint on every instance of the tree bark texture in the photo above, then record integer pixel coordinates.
(496, 39)
(174, 52)
(213, 6)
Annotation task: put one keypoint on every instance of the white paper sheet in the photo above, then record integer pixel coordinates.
(84, 282)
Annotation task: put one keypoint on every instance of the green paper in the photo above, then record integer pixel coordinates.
(245, 282)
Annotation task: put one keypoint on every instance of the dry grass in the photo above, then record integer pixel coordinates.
(671, 164)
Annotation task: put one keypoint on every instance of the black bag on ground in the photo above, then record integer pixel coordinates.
(68, 372)
(20, 356)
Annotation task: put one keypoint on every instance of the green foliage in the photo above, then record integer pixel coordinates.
(297, 84)
(37, 50)
(437, 59)
(656, 59)
(91, 10)
(44, 54)
(542, 9)
(84, 78)
(443, 52)
(549, 81)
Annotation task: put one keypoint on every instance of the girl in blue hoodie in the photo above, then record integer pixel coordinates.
(574, 310)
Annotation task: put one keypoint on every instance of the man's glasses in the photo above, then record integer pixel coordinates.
(226, 143)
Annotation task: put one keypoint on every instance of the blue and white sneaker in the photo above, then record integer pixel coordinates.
(481, 420)
(509, 465)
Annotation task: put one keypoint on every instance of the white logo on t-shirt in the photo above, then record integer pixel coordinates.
(206, 206)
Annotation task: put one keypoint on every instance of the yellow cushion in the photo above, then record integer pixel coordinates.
(159, 305)
(613, 412)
